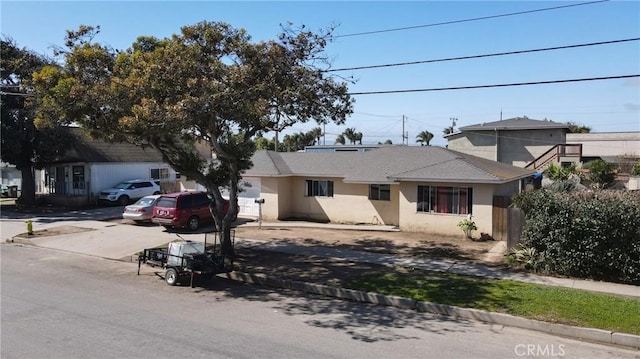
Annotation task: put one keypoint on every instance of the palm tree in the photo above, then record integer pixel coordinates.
(357, 137)
(424, 138)
(340, 139)
(350, 135)
(317, 134)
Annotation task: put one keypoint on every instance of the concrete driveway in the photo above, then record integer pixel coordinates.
(89, 232)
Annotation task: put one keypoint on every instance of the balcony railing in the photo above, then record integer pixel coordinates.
(555, 153)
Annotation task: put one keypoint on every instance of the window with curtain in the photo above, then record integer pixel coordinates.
(440, 199)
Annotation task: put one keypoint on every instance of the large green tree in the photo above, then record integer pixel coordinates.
(207, 84)
(23, 145)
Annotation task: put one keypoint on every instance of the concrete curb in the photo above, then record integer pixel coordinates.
(21, 240)
(590, 334)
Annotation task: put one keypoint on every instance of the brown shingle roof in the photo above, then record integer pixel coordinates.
(89, 150)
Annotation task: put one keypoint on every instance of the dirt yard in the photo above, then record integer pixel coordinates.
(335, 271)
(401, 243)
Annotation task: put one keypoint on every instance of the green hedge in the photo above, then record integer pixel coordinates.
(583, 234)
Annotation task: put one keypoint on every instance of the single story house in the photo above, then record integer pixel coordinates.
(91, 165)
(426, 188)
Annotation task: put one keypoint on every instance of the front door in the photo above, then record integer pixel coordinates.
(61, 183)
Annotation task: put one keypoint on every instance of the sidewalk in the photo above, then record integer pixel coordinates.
(106, 241)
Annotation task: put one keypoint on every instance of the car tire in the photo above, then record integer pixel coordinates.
(171, 276)
(123, 200)
(193, 223)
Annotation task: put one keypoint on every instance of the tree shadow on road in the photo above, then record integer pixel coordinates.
(363, 322)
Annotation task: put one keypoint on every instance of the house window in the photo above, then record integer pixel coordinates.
(78, 177)
(379, 192)
(438, 199)
(160, 173)
(318, 188)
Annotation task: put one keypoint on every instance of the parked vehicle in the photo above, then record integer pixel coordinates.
(184, 259)
(142, 210)
(127, 191)
(184, 210)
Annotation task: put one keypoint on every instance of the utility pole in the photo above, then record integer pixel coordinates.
(403, 129)
(324, 134)
(453, 123)
(405, 135)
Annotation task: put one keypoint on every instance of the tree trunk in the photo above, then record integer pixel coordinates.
(226, 244)
(28, 190)
(225, 230)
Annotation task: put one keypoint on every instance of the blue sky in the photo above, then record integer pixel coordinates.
(606, 106)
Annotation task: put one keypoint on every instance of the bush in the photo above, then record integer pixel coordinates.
(467, 226)
(556, 172)
(602, 174)
(635, 170)
(524, 257)
(584, 234)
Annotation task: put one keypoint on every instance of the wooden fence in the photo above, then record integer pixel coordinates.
(507, 221)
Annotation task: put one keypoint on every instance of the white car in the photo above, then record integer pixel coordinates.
(142, 210)
(127, 191)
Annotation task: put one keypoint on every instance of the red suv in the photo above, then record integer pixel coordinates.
(184, 209)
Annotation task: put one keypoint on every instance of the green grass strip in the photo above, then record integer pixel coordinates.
(546, 303)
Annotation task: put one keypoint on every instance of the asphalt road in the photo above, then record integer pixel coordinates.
(60, 305)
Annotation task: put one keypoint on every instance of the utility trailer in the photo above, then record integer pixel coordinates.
(184, 259)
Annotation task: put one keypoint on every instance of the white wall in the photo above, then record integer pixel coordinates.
(607, 144)
(246, 198)
(106, 175)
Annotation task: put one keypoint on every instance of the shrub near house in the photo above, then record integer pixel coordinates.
(583, 234)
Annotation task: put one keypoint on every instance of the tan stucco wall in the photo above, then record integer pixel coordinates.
(480, 144)
(517, 148)
(447, 224)
(269, 192)
(284, 198)
(349, 204)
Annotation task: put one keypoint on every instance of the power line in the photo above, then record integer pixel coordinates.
(493, 85)
(484, 55)
(468, 20)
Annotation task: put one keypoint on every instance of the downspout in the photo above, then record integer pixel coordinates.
(495, 129)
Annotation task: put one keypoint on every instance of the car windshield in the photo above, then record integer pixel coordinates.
(123, 185)
(145, 201)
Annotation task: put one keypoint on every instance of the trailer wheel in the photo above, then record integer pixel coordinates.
(171, 276)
